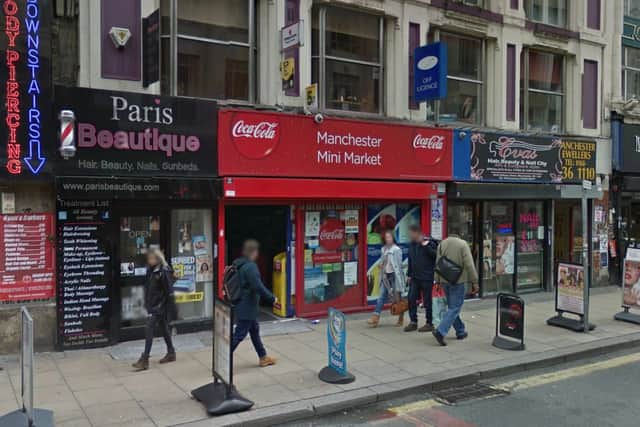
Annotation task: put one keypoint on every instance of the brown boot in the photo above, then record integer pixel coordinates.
(373, 322)
(267, 361)
(400, 321)
(169, 357)
(142, 364)
(428, 327)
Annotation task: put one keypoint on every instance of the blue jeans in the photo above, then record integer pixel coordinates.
(455, 299)
(384, 293)
(248, 327)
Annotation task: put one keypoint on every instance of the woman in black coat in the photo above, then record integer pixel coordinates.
(159, 302)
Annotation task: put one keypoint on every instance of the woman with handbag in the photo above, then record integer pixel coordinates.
(392, 280)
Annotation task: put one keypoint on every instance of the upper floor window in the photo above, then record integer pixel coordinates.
(479, 3)
(630, 72)
(541, 91)
(550, 12)
(632, 8)
(208, 48)
(347, 59)
(464, 80)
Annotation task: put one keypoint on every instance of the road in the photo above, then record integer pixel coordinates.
(598, 392)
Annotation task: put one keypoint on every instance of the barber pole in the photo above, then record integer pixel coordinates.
(67, 134)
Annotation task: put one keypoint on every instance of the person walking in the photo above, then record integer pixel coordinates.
(392, 281)
(246, 310)
(454, 250)
(422, 261)
(159, 303)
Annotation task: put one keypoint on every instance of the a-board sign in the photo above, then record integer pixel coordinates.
(509, 322)
(337, 336)
(570, 288)
(631, 289)
(222, 335)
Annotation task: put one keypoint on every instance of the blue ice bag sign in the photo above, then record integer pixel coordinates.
(430, 72)
(337, 337)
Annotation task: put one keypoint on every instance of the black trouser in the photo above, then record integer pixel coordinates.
(252, 328)
(153, 321)
(420, 288)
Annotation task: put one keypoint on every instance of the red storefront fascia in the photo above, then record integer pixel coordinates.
(346, 166)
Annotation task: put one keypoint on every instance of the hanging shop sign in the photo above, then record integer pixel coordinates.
(496, 157)
(151, 48)
(264, 144)
(430, 71)
(25, 72)
(132, 134)
(27, 253)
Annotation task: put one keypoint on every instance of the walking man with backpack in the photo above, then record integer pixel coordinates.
(246, 301)
(422, 260)
(454, 269)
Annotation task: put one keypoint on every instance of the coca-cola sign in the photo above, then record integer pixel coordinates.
(255, 139)
(332, 234)
(429, 147)
(267, 144)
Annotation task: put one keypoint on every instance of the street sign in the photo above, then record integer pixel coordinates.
(291, 35)
(430, 72)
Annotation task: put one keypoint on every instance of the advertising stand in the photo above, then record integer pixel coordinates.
(509, 322)
(572, 293)
(221, 397)
(336, 372)
(630, 286)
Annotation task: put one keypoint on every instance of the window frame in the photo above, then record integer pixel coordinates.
(528, 5)
(625, 10)
(173, 36)
(625, 69)
(437, 32)
(526, 90)
(322, 57)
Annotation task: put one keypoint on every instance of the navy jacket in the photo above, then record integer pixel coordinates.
(422, 260)
(252, 290)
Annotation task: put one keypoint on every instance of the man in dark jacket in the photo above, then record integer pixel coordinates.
(422, 260)
(246, 310)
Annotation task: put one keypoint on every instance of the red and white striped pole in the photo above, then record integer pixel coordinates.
(67, 134)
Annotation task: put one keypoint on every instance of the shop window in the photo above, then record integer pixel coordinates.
(347, 59)
(464, 80)
(530, 245)
(192, 260)
(632, 8)
(331, 254)
(214, 48)
(460, 219)
(542, 91)
(630, 72)
(380, 218)
(550, 12)
(498, 247)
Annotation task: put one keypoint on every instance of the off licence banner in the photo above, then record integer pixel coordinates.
(27, 254)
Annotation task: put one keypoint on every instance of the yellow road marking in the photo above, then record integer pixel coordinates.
(534, 381)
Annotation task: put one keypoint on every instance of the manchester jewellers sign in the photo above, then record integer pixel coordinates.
(132, 134)
(25, 74)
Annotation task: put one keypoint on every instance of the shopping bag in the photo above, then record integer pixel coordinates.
(439, 303)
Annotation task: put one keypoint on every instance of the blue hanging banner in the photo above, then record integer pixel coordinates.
(430, 71)
(337, 337)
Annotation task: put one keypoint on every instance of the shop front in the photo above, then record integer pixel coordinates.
(142, 177)
(317, 196)
(510, 202)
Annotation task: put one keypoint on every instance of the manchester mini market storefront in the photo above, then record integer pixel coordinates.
(318, 195)
(142, 177)
(507, 202)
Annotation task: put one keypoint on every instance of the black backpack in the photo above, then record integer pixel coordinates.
(232, 285)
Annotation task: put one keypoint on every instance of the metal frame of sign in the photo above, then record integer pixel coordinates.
(216, 375)
(572, 264)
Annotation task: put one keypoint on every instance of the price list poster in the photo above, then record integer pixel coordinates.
(84, 274)
(27, 257)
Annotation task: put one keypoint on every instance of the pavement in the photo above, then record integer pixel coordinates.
(93, 388)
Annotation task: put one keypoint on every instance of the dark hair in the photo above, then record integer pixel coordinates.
(415, 228)
(249, 247)
(390, 232)
(455, 230)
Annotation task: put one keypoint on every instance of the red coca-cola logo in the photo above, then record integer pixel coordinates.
(332, 234)
(429, 149)
(254, 139)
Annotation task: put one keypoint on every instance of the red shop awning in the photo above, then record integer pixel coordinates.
(292, 188)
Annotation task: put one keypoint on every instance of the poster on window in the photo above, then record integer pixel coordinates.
(200, 245)
(570, 288)
(311, 224)
(184, 269)
(396, 217)
(631, 290)
(204, 268)
(350, 273)
(505, 252)
(437, 218)
(350, 217)
(185, 243)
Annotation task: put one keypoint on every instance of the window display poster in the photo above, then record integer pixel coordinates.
(570, 288)
(631, 290)
(396, 217)
(350, 273)
(437, 219)
(312, 224)
(350, 218)
(204, 268)
(185, 244)
(200, 245)
(222, 330)
(504, 254)
(184, 269)
(138, 234)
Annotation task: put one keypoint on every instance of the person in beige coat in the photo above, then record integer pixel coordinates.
(457, 250)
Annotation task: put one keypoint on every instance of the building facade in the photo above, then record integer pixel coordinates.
(535, 73)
